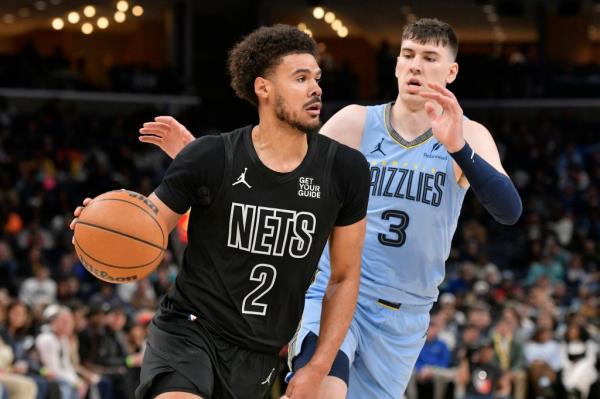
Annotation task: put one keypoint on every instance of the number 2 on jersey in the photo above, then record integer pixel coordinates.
(265, 275)
(399, 230)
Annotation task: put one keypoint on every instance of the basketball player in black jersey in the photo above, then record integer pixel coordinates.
(264, 200)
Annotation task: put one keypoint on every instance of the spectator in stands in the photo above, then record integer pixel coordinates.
(579, 356)
(103, 349)
(543, 355)
(510, 357)
(545, 267)
(8, 267)
(16, 386)
(16, 334)
(481, 375)
(39, 289)
(54, 348)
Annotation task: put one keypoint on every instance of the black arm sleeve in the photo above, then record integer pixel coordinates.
(495, 191)
(351, 178)
(197, 168)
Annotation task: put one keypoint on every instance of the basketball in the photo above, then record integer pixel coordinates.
(119, 238)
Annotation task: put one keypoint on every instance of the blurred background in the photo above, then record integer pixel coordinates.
(519, 314)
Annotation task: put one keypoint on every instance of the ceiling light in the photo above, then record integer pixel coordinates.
(87, 28)
(58, 23)
(342, 32)
(8, 18)
(308, 32)
(120, 17)
(318, 12)
(335, 25)
(329, 17)
(89, 11)
(122, 6)
(137, 11)
(73, 17)
(488, 8)
(102, 23)
(302, 26)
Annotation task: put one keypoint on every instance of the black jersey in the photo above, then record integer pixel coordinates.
(254, 235)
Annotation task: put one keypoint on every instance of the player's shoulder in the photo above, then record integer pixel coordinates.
(203, 146)
(350, 115)
(353, 111)
(344, 156)
(474, 130)
(346, 125)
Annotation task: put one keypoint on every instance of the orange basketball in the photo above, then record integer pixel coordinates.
(119, 238)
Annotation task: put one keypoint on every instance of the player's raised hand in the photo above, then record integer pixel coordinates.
(306, 384)
(447, 127)
(167, 134)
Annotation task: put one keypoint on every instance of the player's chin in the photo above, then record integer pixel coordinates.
(414, 98)
(313, 125)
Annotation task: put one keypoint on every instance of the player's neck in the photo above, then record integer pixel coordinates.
(279, 147)
(409, 122)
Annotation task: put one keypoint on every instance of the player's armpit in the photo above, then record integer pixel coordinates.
(346, 126)
(168, 217)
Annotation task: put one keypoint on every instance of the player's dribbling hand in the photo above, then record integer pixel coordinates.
(305, 384)
(76, 213)
(447, 127)
(167, 134)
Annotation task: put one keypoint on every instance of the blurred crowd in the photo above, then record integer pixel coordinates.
(518, 314)
(28, 68)
(517, 72)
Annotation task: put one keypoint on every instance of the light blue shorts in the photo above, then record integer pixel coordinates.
(382, 345)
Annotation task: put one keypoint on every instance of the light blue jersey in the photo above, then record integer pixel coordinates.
(411, 218)
(413, 210)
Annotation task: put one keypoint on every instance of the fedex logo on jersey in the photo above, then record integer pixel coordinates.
(270, 231)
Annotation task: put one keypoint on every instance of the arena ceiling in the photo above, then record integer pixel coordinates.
(514, 20)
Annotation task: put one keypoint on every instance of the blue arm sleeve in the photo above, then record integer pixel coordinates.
(495, 191)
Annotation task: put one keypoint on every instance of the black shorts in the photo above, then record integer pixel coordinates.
(188, 358)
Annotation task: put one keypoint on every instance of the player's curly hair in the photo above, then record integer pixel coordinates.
(432, 30)
(262, 50)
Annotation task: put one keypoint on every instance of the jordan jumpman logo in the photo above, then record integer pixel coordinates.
(268, 379)
(242, 179)
(378, 148)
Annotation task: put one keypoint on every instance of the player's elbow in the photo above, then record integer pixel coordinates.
(510, 215)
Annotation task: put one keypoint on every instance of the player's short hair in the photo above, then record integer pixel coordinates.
(262, 50)
(432, 31)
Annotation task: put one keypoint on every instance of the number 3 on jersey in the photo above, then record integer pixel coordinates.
(265, 275)
(397, 236)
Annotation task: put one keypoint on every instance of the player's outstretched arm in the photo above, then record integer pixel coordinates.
(337, 311)
(474, 151)
(166, 133)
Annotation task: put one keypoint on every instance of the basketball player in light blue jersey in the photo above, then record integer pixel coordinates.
(424, 155)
